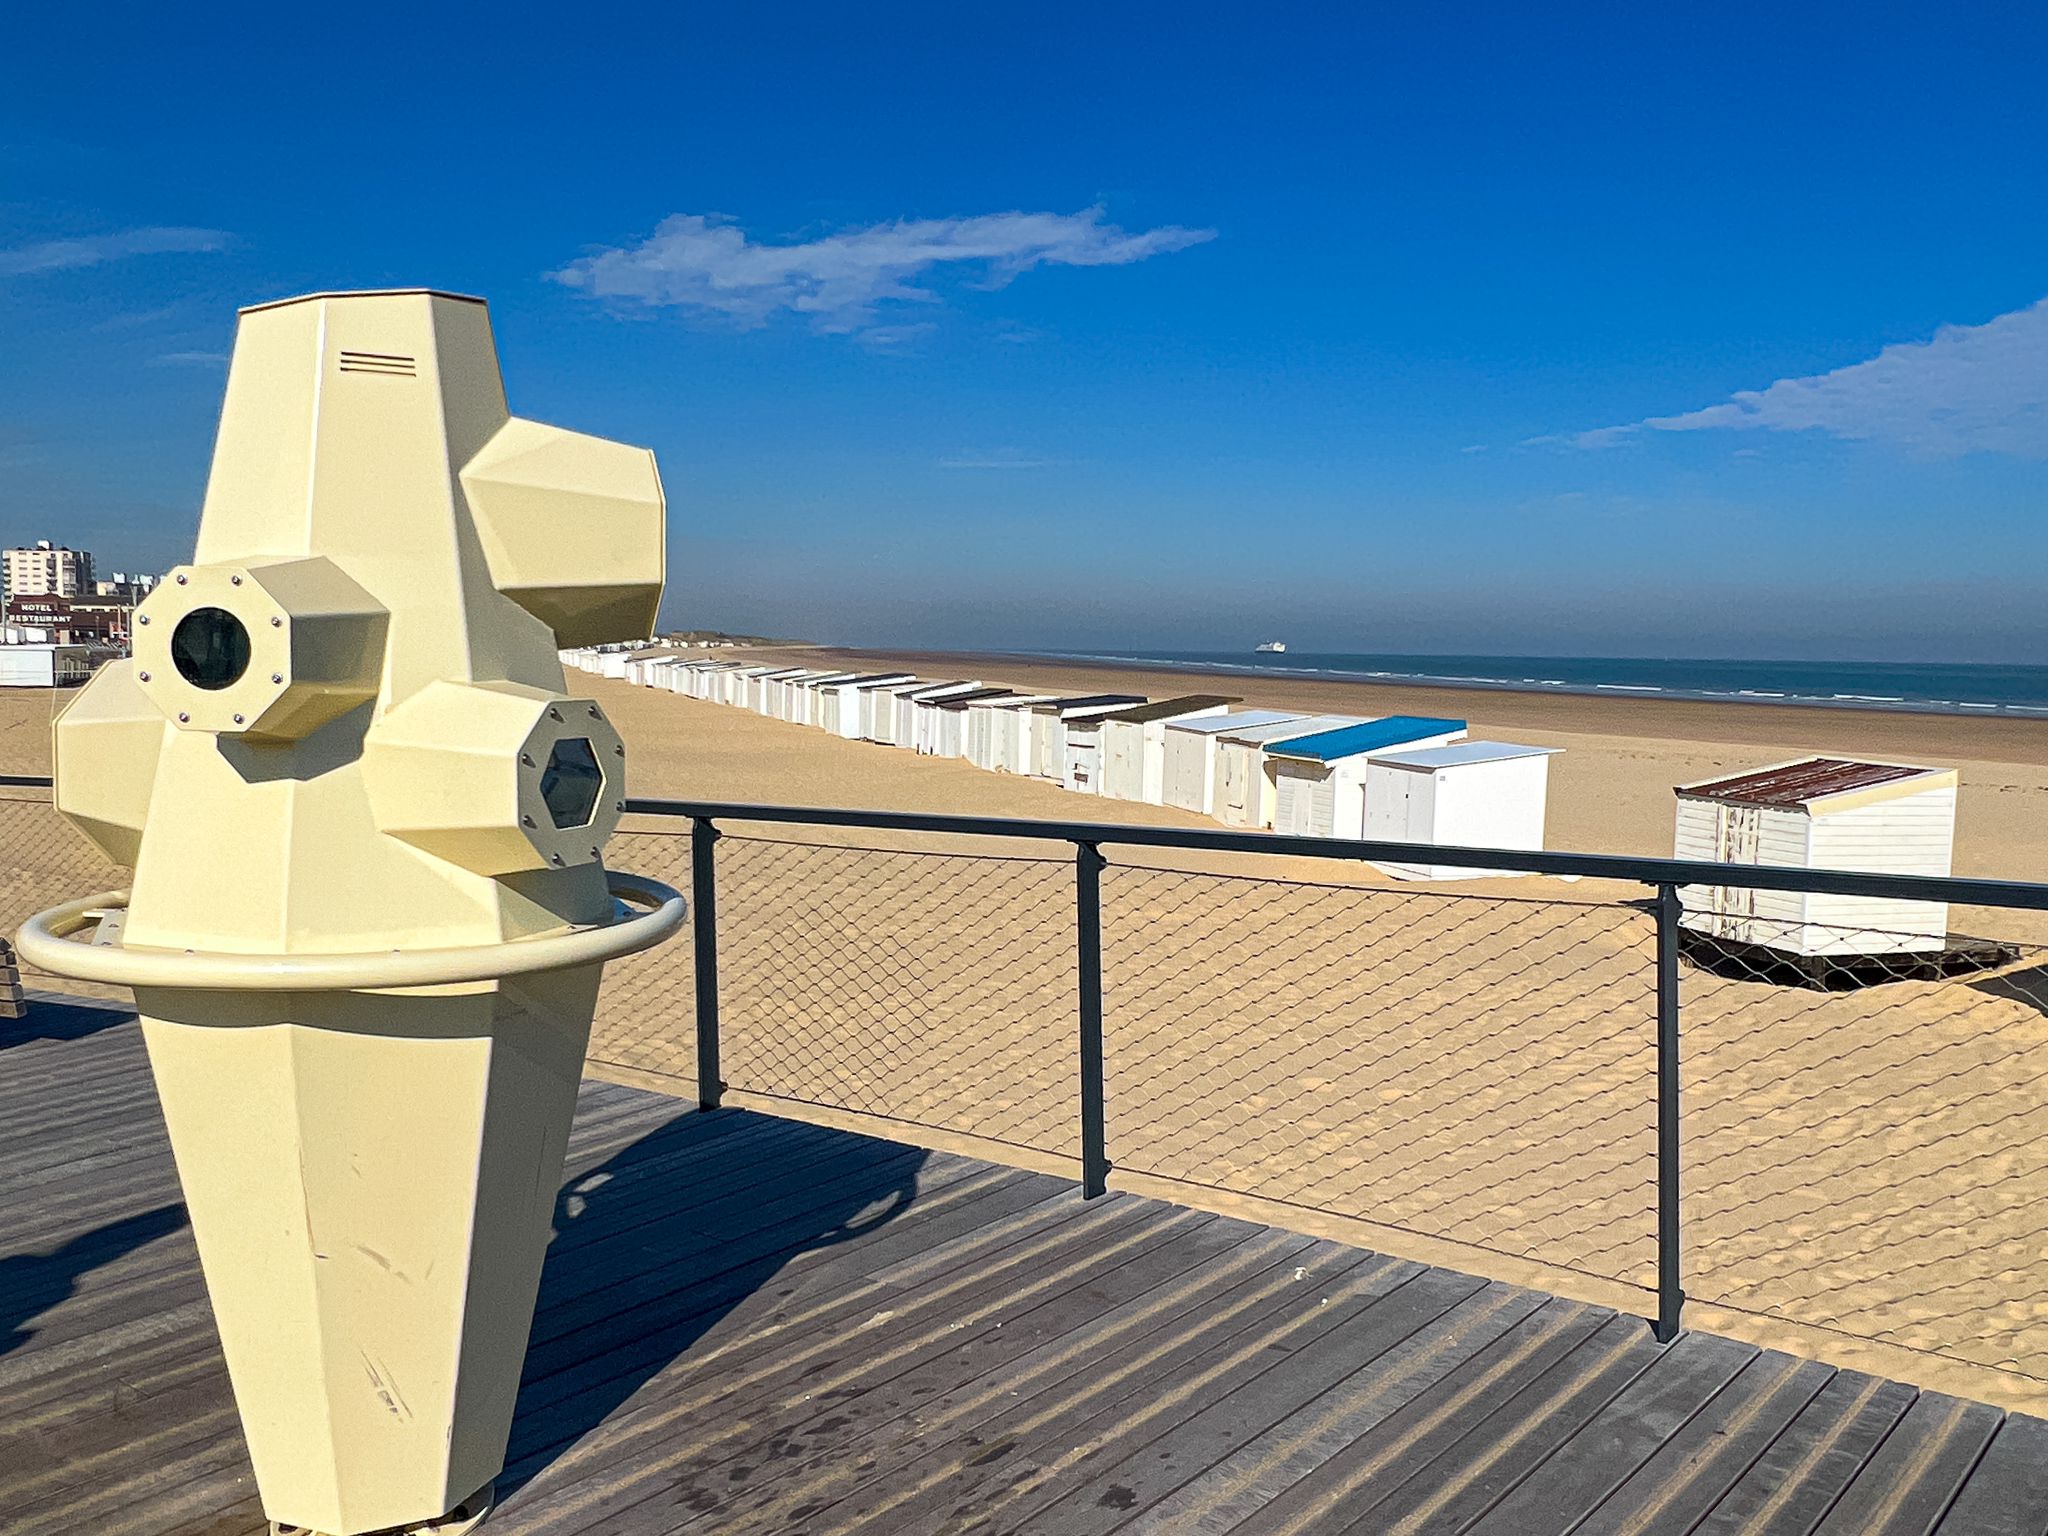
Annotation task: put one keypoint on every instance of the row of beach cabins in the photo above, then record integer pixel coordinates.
(1403, 778)
(1400, 778)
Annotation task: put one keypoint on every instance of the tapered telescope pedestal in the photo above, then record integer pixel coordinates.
(371, 1181)
(371, 1176)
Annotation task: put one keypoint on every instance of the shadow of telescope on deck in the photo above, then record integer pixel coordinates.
(654, 1247)
(32, 1283)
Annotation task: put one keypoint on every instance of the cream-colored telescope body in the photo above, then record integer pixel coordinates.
(369, 910)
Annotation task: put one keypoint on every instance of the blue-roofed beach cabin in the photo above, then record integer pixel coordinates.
(1319, 780)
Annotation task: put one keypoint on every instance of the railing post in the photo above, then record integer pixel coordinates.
(1088, 862)
(1670, 1271)
(704, 912)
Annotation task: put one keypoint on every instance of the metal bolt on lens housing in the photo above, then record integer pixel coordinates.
(142, 677)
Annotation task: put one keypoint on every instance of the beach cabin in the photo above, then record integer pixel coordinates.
(806, 693)
(1134, 744)
(778, 692)
(757, 688)
(928, 717)
(952, 721)
(1245, 790)
(1470, 794)
(903, 706)
(839, 703)
(1049, 722)
(1190, 756)
(732, 686)
(1821, 813)
(694, 678)
(999, 731)
(1319, 780)
(878, 708)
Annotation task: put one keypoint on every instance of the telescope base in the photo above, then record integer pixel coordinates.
(459, 1521)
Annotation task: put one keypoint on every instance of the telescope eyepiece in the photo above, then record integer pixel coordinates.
(210, 649)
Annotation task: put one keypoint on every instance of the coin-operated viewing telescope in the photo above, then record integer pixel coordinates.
(369, 911)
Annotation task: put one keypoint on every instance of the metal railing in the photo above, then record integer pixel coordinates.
(1663, 879)
(1492, 1073)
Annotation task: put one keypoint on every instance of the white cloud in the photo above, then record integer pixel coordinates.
(1967, 389)
(709, 266)
(95, 250)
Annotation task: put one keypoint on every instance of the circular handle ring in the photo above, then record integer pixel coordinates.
(44, 943)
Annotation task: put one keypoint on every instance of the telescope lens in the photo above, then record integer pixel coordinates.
(210, 648)
(570, 783)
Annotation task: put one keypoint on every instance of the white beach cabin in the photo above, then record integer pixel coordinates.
(878, 708)
(904, 710)
(1050, 722)
(1319, 781)
(732, 686)
(1190, 756)
(839, 703)
(757, 688)
(952, 724)
(929, 716)
(1470, 794)
(999, 731)
(1134, 744)
(1245, 791)
(808, 695)
(1821, 813)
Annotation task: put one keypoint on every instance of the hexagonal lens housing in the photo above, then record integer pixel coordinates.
(571, 782)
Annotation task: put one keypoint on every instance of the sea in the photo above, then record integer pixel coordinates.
(1915, 688)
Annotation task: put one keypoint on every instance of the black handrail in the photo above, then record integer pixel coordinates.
(2023, 895)
(1598, 866)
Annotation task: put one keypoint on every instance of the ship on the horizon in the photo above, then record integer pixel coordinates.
(1270, 648)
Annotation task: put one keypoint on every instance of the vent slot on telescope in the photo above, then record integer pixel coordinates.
(379, 362)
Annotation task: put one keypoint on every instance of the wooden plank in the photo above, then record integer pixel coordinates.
(1137, 1461)
(1221, 1496)
(1407, 1441)
(985, 1467)
(1694, 1468)
(1497, 1451)
(1647, 1413)
(928, 1332)
(1909, 1482)
(2007, 1494)
(1794, 1483)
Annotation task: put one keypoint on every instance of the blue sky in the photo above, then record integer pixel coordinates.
(1457, 328)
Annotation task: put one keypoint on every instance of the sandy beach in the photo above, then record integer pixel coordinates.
(1461, 1073)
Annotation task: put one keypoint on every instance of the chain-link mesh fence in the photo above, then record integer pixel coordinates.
(45, 860)
(1866, 1135)
(1474, 1070)
(935, 989)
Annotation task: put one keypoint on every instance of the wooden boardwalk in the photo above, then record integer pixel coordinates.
(755, 1325)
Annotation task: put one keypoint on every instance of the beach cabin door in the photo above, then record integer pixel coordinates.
(1239, 790)
(1738, 832)
(1294, 810)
